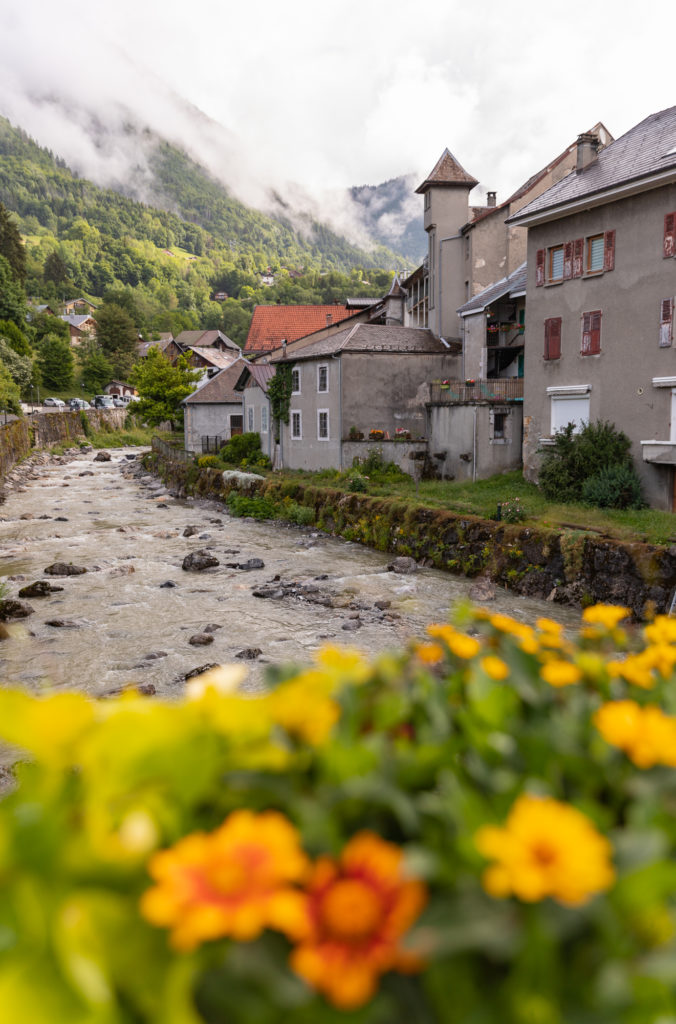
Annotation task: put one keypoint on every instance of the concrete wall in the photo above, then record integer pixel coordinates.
(309, 451)
(465, 435)
(447, 212)
(205, 419)
(398, 452)
(253, 397)
(620, 378)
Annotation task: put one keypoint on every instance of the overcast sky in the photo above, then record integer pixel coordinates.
(350, 92)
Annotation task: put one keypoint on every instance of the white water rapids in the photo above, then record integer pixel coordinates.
(123, 627)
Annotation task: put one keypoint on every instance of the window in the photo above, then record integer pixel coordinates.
(323, 424)
(295, 380)
(250, 419)
(540, 257)
(433, 267)
(555, 263)
(595, 252)
(428, 200)
(591, 333)
(669, 241)
(322, 378)
(296, 426)
(553, 338)
(569, 409)
(264, 419)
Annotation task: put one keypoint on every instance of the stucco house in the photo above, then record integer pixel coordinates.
(213, 413)
(80, 327)
(600, 300)
(256, 408)
(364, 377)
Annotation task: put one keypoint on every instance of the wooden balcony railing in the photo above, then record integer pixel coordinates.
(452, 392)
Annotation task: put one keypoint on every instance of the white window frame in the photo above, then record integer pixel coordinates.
(320, 413)
(296, 436)
(295, 374)
(250, 419)
(321, 390)
(264, 419)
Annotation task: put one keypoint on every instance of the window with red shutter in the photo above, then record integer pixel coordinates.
(609, 251)
(553, 338)
(578, 257)
(666, 322)
(591, 333)
(669, 244)
(540, 267)
(567, 261)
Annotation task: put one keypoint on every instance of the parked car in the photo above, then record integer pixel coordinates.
(103, 402)
(55, 403)
(78, 403)
(118, 403)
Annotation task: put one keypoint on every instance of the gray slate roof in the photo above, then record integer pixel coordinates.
(214, 356)
(373, 338)
(205, 339)
(514, 284)
(645, 150)
(76, 319)
(220, 389)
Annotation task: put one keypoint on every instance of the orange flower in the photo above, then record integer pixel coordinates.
(356, 913)
(234, 881)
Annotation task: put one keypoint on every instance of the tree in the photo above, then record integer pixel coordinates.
(47, 323)
(10, 399)
(12, 296)
(54, 270)
(20, 368)
(11, 246)
(162, 387)
(56, 362)
(117, 337)
(16, 338)
(96, 370)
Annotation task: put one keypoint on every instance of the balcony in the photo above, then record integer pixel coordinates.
(454, 392)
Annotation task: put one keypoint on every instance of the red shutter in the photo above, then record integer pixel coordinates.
(578, 257)
(666, 322)
(669, 245)
(609, 251)
(591, 333)
(540, 268)
(553, 338)
(567, 261)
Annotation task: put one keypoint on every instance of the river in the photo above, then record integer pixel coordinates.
(123, 627)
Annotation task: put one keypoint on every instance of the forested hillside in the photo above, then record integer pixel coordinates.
(169, 263)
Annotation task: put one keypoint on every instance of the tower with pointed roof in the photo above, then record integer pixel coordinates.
(446, 197)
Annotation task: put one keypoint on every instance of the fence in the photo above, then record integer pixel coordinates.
(167, 451)
(503, 389)
(211, 444)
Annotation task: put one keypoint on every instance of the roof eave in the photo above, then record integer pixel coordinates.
(624, 190)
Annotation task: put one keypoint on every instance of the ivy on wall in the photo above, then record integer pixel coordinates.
(279, 393)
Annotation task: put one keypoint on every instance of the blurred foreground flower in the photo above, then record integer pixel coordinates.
(227, 882)
(546, 848)
(646, 735)
(357, 911)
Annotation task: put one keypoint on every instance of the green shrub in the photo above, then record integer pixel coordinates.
(615, 486)
(258, 508)
(575, 457)
(209, 462)
(357, 483)
(241, 447)
(303, 515)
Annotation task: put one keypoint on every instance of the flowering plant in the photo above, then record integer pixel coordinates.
(479, 828)
(512, 511)
(375, 434)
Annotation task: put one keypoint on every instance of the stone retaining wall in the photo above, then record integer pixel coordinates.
(566, 566)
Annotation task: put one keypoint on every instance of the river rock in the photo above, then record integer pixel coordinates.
(122, 570)
(190, 530)
(64, 569)
(249, 653)
(102, 457)
(382, 605)
(167, 584)
(144, 689)
(60, 519)
(211, 627)
(202, 668)
(201, 639)
(252, 563)
(197, 561)
(41, 588)
(12, 609)
(482, 589)
(351, 624)
(403, 564)
(87, 472)
(62, 623)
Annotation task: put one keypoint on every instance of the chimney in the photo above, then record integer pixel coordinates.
(283, 348)
(587, 150)
(329, 319)
(491, 198)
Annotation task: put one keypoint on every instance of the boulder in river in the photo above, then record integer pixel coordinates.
(62, 623)
(403, 564)
(249, 653)
(41, 588)
(251, 563)
(482, 589)
(102, 457)
(201, 639)
(11, 609)
(64, 569)
(199, 560)
(190, 530)
(201, 668)
(167, 584)
(211, 627)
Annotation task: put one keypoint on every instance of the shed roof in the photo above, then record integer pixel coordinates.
(214, 356)
(273, 324)
(205, 339)
(371, 338)
(644, 157)
(514, 284)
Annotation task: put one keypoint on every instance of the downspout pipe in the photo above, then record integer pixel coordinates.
(474, 448)
(449, 238)
(336, 355)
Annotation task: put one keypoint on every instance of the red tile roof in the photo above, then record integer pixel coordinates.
(273, 324)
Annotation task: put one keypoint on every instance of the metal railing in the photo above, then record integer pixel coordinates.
(211, 444)
(167, 451)
(452, 392)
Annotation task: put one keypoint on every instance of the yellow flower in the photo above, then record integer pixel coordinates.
(560, 673)
(459, 644)
(519, 630)
(661, 631)
(636, 669)
(49, 727)
(548, 626)
(344, 664)
(303, 706)
(222, 680)
(608, 615)
(234, 881)
(546, 848)
(494, 667)
(646, 735)
(430, 654)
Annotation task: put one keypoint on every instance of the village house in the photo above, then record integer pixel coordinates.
(206, 339)
(600, 301)
(81, 326)
(78, 306)
(213, 413)
(272, 325)
(256, 407)
(120, 388)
